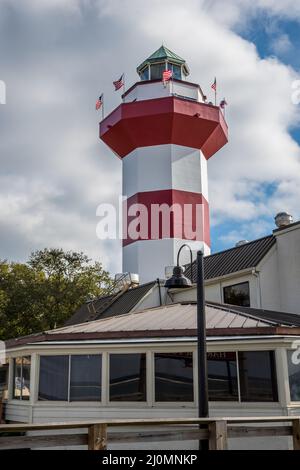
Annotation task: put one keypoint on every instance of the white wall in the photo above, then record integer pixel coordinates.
(288, 253)
(150, 257)
(168, 166)
(268, 281)
(214, 289)
(148, 91)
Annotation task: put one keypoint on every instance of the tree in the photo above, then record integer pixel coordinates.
(44, 292)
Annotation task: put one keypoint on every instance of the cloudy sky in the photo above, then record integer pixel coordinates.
(57, 56)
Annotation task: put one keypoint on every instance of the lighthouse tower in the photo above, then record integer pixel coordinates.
(164, 132)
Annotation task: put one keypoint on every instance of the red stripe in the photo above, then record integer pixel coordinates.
(181, 225)
(164, 121)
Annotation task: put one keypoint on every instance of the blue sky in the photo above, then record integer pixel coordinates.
(273, 37)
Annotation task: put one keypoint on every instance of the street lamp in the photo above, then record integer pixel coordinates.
(178, 280)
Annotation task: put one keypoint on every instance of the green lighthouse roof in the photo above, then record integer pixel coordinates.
(162, 54)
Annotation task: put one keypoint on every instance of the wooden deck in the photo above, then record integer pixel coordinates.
(97, 435)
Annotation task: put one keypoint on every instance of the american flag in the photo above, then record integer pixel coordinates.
(119, 83)
(167, 74)
(214, 85)
(99, 102)
(223, 103)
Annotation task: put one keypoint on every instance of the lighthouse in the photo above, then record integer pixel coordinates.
(164, 133)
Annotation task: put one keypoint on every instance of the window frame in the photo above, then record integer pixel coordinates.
(238, 398)
(234, 285)
(274, 376)
(163, 64)
(170, 66)
(5, 389)
(150, 377)
(177, 404)
(13, 386)
(69, 401)
(294, 403)
(117, 403)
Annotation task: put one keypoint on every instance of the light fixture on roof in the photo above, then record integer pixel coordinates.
(178, 280)
(283, 219)
(241, 242)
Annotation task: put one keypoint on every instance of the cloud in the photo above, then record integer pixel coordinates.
(281, 44)
(57, 56)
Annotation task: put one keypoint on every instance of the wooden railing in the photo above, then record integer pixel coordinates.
(97, 435)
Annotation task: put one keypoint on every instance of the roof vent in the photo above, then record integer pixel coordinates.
(282, 219)
(242, 242)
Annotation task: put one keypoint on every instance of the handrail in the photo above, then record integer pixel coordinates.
(96, 436)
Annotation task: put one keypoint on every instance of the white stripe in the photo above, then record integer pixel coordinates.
(148, 258)
(162, 167)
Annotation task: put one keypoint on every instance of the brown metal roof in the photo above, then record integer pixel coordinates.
(235, 259)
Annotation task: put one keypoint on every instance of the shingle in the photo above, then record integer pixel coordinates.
(233, 260)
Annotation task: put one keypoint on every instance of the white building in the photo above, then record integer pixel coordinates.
(145, 365)
(133, 353)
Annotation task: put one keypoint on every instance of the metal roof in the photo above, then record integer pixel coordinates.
(180, 317)
(174, 321)
(162, 54)
(278, 318)
(110, 305)
(234, 259)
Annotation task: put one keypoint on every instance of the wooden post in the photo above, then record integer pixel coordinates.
(97, 437)
(296, 434)
(218, 435)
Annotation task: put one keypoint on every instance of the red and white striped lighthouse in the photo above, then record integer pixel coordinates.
(164, 132)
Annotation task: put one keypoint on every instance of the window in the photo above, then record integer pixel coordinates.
(222, 376)
(85, 382)
(174, 377)
(176, 69)
(54, 374)
(21, 380)
(157, 71)
(145, 74)
(4, 380)
(127, 377)
(294, 375)
(237, 294)
(257, 376)
(70, 378)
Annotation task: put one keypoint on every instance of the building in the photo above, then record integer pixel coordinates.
(164, 132)
(133, 353)
(144, 364)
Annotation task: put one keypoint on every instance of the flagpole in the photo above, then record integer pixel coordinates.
(102, 106)
(123, 82)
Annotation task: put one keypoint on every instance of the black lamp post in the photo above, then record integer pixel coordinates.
(178, 280)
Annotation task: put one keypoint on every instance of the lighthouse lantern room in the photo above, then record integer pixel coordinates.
(164, 132)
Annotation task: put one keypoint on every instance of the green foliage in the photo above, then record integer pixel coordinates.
(44, 292)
